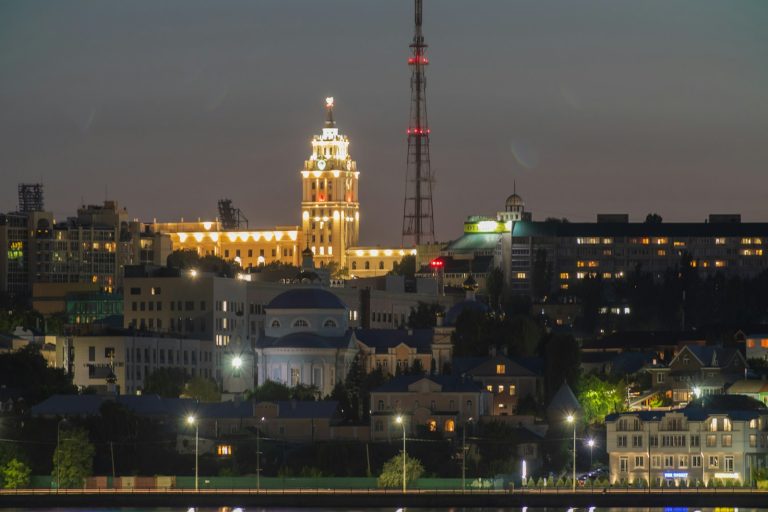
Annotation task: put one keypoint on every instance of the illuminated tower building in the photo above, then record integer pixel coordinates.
(418, 220)
(330, 211)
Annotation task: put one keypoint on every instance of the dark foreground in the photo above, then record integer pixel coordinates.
(381, 498)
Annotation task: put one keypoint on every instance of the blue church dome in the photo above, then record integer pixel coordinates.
(466, 305)
(306, 298)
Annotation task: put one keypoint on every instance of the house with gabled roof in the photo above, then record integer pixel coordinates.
(697, 371)
(507, 380)
(428, 403)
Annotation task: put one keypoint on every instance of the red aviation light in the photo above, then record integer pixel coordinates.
(437, 263)
(418, 60)
(418, 131)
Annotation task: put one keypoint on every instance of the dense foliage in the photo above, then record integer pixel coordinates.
(392, 472)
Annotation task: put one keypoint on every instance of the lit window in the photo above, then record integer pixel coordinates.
(501, 388)
(449, 426)
(719, 241)
(564, 275)
(763, 343)
(489, 388)
(719, 263)
(512, 389)
(502, 369)
(521, 275)
(432, 426)
(224, 450)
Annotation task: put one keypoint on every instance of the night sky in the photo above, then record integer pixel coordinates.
(592, 106)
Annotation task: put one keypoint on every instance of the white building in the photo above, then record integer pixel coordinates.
(195, 305)
(306, 340)
(717, 437)
(128, 360)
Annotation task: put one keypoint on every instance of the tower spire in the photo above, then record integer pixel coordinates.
(418, 219)
(329, 122)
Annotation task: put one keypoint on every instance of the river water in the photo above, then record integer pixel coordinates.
(446, 509)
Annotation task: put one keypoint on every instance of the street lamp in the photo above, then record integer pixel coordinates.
(258, 454)
(464, 454)
(400, 420)
(237, 362)
(591, 444)
(58, 453)
(572, 419)
(191, 420)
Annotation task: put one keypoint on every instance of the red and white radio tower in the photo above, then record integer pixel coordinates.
(418, 220)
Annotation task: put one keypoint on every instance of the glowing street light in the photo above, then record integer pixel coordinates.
(193, 273)
(191, 420)
(697, 391)
(572, 419)
(400, 420)
(237, 362)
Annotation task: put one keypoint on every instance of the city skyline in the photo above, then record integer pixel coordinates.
(150, 102)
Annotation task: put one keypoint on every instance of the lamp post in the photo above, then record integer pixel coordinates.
(193, 421)
(572, 420)
(58, 453)
(258, 454)
(591, 444)
(401, 421)
(464, 454)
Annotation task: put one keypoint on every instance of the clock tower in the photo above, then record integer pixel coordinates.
(330, 211)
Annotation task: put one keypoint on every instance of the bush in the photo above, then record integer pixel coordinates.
(392, 472)
(15, 474)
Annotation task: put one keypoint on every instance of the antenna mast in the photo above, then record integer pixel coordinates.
(418, 219)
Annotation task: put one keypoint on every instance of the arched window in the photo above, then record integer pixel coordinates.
(367, 265)
(381, 265)
(300, 323)
(275, 324)
(449, 426)
(354, 265)
(432, 425)
(330, 323)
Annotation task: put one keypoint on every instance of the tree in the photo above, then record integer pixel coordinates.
(189, 259)
(424, 316)
(541, 278)
(494, 285)
(562, 358)
(653, 218)
(405, 267)
(27, 369)
(166, 382)
(598, 397)
(271, 391)
(392, 472)
(202, 389)
(73, 459)
(15, 474)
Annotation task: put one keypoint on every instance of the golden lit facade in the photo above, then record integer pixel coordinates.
(374, 261)
(250, 248)
(330, 210)
(330, 220)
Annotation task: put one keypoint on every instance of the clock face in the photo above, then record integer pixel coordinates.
(321, 164)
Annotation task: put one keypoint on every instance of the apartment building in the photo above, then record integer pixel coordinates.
(194, 305)
(718, 437)
(121, 364)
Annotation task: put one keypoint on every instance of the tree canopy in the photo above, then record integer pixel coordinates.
(599, 397)
(392, 472)
(73, 459)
